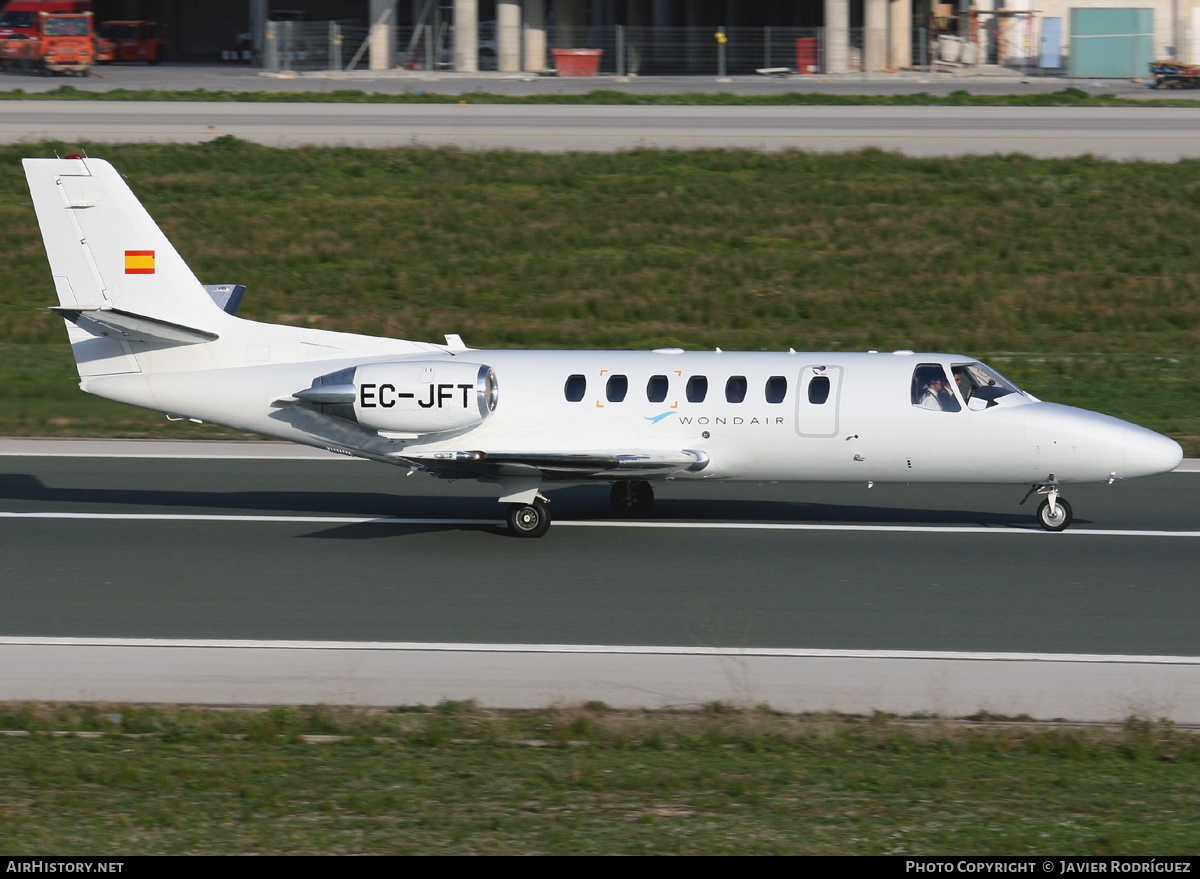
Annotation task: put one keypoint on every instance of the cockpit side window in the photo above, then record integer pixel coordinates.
(932, 390)
(981, 386)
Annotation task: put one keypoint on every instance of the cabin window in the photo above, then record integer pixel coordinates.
(735, 389)
(932, 390)
(656, 388)
(981, 386)
(575, 388)
(617, 388)
(697, 388)
(776, 389)
(818, 390)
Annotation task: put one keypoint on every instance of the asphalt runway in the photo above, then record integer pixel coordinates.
(260, 574)
(295, 550)
(269, 578)
(1157, 134)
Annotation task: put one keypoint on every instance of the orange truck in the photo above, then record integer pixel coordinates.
(21, 16)
(59, 43)
(130, 41)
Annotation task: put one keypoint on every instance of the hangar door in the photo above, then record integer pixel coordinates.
(1111, 42)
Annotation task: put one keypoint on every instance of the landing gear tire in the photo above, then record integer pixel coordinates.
(632, 497)
(1051, 522)
(528, 520)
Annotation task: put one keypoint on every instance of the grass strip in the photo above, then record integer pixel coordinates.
(458, 779)
(1067, 97)
(1078, 278)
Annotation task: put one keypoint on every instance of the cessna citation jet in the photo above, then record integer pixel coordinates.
(145, 331)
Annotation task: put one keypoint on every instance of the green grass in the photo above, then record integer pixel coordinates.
(1078, 278)
(1068, 97)
(457, 779)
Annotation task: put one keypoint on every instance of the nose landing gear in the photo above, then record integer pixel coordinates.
(1054, 513)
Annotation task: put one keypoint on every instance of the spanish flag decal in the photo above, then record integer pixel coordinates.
(139, 262)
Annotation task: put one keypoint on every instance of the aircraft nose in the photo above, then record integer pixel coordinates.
(1148, 453)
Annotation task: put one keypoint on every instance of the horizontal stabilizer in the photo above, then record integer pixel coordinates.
(132, 327)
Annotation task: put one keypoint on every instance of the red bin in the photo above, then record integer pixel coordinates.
(806, 55)
(577, 62)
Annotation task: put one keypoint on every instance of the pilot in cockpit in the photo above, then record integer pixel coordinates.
(936, 394)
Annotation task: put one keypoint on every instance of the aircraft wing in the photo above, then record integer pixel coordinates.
(559, 465)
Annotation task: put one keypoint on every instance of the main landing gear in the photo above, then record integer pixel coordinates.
(632, 497)
(1054, 513)
(529, 520)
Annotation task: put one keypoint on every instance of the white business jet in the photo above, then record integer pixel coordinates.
(145, 331)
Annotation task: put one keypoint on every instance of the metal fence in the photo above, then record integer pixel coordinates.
(697, 51)
(677, 51)
(313, 45)
(627, 50)
(684, 51)
(431, 47)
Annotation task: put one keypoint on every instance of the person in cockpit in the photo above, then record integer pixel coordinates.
(936, 394)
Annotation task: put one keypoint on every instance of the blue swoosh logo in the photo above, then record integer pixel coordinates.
(658, 418)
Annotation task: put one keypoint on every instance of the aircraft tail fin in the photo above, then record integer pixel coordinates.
(119, 280)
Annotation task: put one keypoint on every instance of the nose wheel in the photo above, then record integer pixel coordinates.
(528, 520)
(1054, 514)
(632, 497)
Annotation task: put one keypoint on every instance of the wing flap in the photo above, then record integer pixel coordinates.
(581, 464)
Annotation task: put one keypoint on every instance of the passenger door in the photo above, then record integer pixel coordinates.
(817, 400)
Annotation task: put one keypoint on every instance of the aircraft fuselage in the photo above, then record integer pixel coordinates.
(865, 427)
(145, 331)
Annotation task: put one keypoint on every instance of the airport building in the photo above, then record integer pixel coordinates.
(1101, 38)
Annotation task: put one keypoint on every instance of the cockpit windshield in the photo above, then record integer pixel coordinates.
(981, 386)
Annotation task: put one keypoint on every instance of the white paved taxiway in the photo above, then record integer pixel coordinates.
(1145, 133)
(1043, 686)
(1086, 687)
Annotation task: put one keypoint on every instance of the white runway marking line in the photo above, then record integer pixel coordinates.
(604, 649)
(710, 526)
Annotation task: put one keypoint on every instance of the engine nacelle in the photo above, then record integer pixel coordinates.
(408, 398)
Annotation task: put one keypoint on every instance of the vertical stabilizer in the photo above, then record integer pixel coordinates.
(106, 253)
